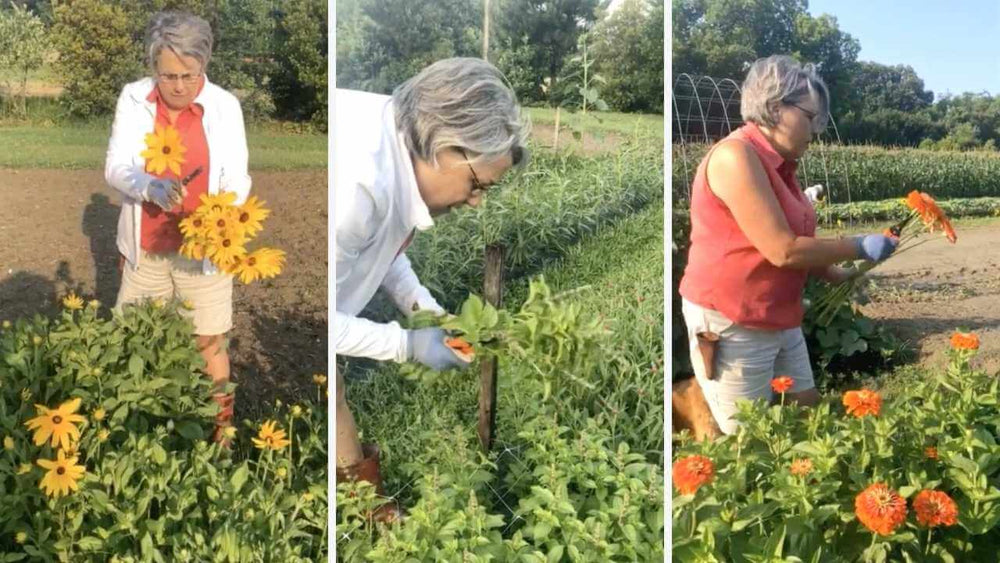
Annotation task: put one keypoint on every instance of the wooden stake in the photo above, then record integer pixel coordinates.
(486, 30)
(555, 143)
(493, 293)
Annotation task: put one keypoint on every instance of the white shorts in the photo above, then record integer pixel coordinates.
(746, 360)
(172, 275)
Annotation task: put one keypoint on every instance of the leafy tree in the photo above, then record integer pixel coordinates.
(22, 48)
(628, 48)
(876, 86)
(97, 54)
(301, 82)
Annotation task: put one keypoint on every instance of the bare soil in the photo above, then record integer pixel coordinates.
(924, 294)
(57, 232)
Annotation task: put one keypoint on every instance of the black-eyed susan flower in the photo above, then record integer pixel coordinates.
(59, 424)
(73, 302)
(163, 150)
(62, 475)
(252, 214)
(270, 437)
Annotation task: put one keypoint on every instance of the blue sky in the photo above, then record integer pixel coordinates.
(953, 46)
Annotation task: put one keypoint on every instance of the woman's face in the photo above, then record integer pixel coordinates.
(797, 124)
(456, 182)
(178, 78)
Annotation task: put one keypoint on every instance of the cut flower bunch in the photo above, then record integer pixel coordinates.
(220, 231)
(931, 218)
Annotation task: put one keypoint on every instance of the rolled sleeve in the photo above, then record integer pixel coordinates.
(357, 337)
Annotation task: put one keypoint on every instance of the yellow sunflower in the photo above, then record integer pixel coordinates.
(163, 150)
(252, 215)
(62, 475)
(217, 202)
(269, 437)
(58, 423)
(192, 249)
(224, 221)
(73, 302)
(194, 226)
(225, 248)
(260, 264)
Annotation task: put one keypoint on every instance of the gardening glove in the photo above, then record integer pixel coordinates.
(875, 248)
(426, 345)
(164, 193)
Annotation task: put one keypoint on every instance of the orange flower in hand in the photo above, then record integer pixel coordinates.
(863, 403)
(935, 508)
(781, 384)
(880, 509)
(964, 341)
(691, 472)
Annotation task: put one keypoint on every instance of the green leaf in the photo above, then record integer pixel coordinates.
(190, 430)
(239, 478)
(158, 453)
(135, 366)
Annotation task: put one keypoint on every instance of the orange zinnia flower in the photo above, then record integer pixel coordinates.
(935, 508)
(802, 467)
(930, 452)
(863, 403)
(691, 472)
(929, 212)
(781, 384)
(880, 509)
(964, 341)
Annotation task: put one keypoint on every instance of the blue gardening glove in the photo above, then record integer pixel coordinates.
(426, 345)
(164, 193)
(875, 248)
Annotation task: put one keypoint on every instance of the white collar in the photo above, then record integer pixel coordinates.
(420, 215)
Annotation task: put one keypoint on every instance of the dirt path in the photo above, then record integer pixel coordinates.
(924, 294)
(57, 231)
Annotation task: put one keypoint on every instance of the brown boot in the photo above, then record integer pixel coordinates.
(224, 419)
(368, 470)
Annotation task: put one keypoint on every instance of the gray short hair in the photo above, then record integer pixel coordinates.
(183, 33)
(780, 79)
(461, 103)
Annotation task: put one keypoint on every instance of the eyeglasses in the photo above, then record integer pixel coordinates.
(187, 78)
(477, 187)
(816, 120)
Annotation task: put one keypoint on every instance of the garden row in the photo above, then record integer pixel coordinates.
(105, 427)
(862, 173)
(575, 473)
(861, 477)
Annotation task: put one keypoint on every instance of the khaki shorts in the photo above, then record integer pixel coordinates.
(171, 275)
(746, 360)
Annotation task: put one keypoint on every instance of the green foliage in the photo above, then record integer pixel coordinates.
(386, 42)
(755, 508)
(23, 43)
(97, 55)
(154, 489)
(301, 81)
(243, 59)
(842, 214)
(552, 29)
(858, 173)
(538, 215)
(628, 48)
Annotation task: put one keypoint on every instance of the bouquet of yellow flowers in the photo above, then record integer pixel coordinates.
(221, 231)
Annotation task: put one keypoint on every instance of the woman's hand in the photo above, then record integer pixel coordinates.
(164, 193)
(875, 248)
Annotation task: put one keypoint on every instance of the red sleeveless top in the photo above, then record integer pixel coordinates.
(725, 272)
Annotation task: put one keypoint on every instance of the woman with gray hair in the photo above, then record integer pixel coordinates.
(753, 245)
(178, 98)
(441, 141)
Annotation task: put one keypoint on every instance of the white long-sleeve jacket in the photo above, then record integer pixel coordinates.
(377, 206)
(125, 169)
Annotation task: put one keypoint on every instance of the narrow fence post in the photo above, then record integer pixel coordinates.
(493, 294)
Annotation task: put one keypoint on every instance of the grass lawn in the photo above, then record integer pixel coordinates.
(81, 146)
(597, 122)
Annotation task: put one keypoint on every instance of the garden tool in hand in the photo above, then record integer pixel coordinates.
(897, 229)
(368, 470)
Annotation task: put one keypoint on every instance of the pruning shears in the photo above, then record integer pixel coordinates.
(190, 177)
(897, 229)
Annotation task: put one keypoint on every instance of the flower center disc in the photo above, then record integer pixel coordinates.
(244, 217)
(57, 419)
(61, 471)
(166, 150)
(226, 243)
